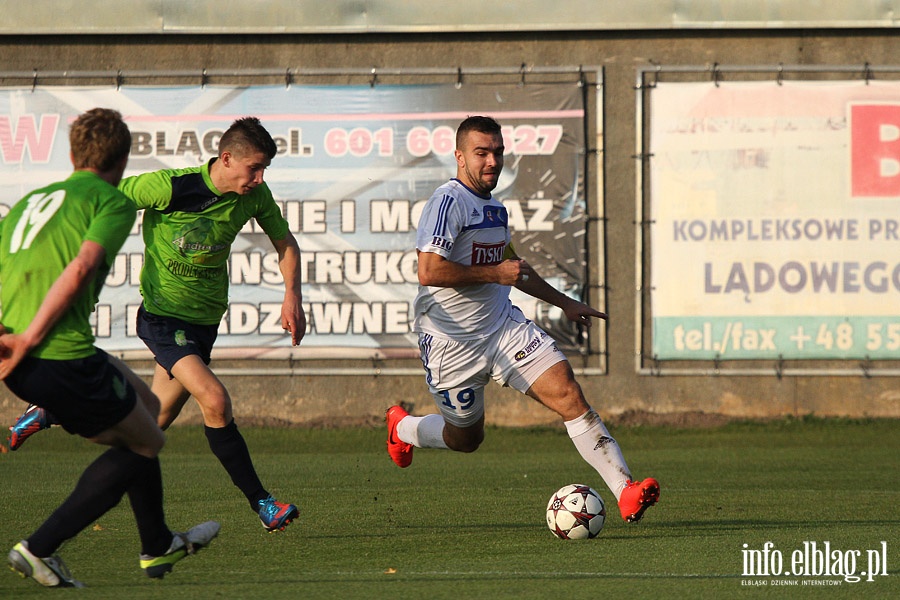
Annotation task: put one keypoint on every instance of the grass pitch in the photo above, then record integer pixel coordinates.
(472, 526)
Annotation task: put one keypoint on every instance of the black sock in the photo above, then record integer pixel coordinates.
(146, 497)
(100, 488)
(229, 446)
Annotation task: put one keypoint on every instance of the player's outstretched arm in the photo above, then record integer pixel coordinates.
(534, 285)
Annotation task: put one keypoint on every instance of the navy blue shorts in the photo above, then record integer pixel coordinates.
(172, 339)
(87, 395)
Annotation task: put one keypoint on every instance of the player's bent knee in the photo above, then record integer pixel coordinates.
(215, 407)
(216, 410)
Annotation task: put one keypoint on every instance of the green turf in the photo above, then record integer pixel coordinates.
(472, 526)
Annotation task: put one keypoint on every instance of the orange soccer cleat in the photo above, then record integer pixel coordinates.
(637, 497)
(401, 452)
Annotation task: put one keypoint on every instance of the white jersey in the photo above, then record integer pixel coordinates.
(467, 229)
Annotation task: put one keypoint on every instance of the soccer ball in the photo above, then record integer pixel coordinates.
(576, 512)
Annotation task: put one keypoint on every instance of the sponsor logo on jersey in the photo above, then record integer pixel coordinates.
(186, 270)
(182, 244)
(487, 254)
(443, 243)
(496, 214)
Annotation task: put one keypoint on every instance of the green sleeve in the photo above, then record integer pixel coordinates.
(112, 224)
(149, 190)
(269, 217)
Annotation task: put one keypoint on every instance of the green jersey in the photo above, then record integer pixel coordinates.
(42, 234)
(188, 229)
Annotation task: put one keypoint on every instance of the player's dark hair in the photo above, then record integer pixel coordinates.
(476, 123)
(247, 135)
(98, 139)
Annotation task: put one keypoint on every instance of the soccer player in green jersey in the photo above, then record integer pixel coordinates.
(56, 247)
(192, 216)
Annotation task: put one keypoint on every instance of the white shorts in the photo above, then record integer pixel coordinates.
(458, 371)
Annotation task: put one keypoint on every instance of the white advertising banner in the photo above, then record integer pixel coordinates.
(775, 229)
(354, 167)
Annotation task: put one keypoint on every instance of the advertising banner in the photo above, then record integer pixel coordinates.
(354, 168)
(775, 230)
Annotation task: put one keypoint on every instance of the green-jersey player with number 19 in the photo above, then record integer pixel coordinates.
(42, 234)
(191, 218)
(56, 247)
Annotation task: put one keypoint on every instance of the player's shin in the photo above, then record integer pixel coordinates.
(600, 450)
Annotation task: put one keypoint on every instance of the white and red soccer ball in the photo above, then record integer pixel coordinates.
(576, 512)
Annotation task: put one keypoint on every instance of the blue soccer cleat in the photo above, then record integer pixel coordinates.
(275, 516)
(34, 419)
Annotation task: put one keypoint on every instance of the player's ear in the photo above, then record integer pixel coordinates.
(460, 160)
(225, 157)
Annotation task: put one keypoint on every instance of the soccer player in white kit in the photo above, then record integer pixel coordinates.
(470, 332)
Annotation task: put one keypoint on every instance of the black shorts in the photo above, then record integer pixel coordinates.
(87, 395)
(172, 339)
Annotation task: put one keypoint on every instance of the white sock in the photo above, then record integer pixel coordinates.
(600, 450)
(422, 432)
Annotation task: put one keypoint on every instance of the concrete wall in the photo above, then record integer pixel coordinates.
(362, 399)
